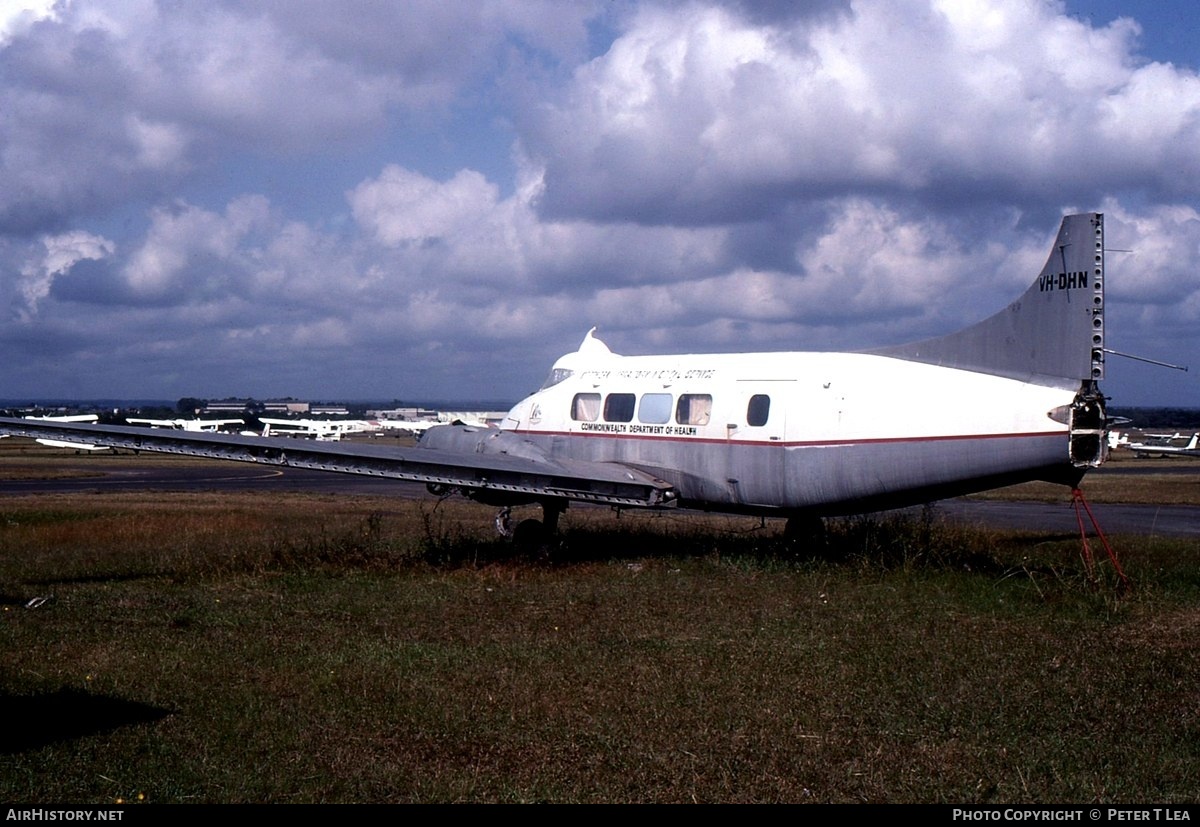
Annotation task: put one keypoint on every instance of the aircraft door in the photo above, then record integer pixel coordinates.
(756, 471)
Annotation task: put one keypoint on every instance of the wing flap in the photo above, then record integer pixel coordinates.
(534, 477)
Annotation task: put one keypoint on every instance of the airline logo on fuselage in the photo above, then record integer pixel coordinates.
(1062, 281)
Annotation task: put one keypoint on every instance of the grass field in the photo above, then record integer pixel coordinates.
(223, 648)
(1173, 481)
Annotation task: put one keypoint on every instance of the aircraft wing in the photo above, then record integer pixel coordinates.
(489, 464)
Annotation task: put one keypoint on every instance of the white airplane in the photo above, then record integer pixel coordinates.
(75, 446)
(412, 426)
(68, 418)
(1165, 448)
(1012, 398)
(325, 430)
(418, 426)
(187, 424)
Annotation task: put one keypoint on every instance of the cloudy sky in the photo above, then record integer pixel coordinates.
(434, 200)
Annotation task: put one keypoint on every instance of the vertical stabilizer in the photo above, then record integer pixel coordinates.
(1053, 335)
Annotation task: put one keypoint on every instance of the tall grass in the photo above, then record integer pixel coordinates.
(205, 648)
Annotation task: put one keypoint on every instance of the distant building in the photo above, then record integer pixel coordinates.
(404, 414)
(285, 406)
(227, 406)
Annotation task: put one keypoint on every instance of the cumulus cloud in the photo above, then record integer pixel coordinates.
(183, 236)
(1155, 250)
(718, 118)
(461, 229)
(1153, 286)
(869, 275)
(100, 99)
(59, 254)
(434, 47)
(16, 18)
(272, 193)
(405, 207)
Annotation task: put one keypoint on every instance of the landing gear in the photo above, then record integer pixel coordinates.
(805, 536)
(532, 536)
(504, 523)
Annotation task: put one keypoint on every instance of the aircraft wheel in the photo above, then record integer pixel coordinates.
(805, 536)
(804, 529)
(531, 537)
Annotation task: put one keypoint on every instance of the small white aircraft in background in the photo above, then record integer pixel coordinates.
(411, 426)
(188, 424)
(323, 430)
(74, 446)
(1164, 448)
(1009, 399)
(419, 426)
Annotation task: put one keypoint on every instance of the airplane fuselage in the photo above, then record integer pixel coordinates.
(828, 432)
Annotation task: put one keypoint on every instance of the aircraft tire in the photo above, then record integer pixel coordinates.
(530, 537)
(805, 536)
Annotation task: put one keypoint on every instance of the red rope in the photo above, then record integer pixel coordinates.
(1077, 499)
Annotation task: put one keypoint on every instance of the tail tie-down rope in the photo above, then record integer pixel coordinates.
(1081, 506)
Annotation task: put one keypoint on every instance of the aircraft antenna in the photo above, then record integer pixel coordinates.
(1144, 359)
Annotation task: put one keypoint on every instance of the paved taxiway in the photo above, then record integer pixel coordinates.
(1056, 518)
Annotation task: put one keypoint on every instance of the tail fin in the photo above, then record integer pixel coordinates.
(1053, 335)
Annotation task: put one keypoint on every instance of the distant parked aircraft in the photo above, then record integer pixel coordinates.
(74, 446)
(418, 426)
(1164, 448)
(188, 424)
(324, 430)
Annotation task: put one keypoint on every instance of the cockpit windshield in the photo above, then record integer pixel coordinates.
(556, 375)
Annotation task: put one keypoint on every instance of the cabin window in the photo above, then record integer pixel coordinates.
(655, 408)
(759, 409)
(585, 407)
(618, 407)
(693, 409)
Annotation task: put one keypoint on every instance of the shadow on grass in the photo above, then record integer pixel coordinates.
(1037, 538)
(889, 541)
(35, 721)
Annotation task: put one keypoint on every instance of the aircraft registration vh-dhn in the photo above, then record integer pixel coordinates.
(1012, 398)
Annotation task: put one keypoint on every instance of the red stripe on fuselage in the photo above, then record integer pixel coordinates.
(770, 443)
